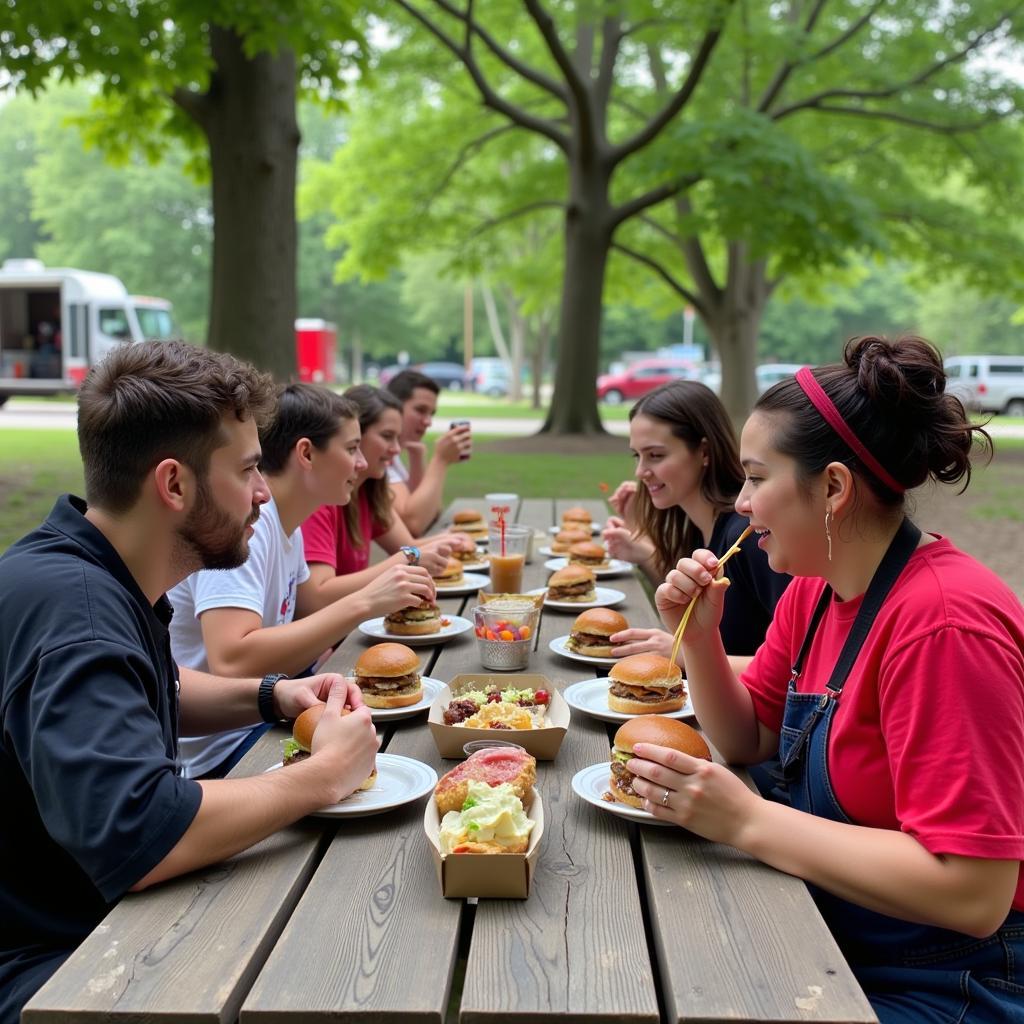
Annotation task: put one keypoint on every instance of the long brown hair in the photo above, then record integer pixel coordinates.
(694, 413)
(372, 403)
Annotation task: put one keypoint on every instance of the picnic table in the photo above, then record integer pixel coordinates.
(344, 921)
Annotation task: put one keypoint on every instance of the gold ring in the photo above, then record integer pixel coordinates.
(664, 799)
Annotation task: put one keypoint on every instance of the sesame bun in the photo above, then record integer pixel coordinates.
(665, 732)
(577, 515)
(602, 621)
(451, 573)
(417, 620)
(387, 660)
(645, 684)
(389, 676)
(591, 630)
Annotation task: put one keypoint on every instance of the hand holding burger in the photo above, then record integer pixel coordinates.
(341, 743)
(653, 729)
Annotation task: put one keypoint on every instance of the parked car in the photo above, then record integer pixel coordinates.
(491, 376)
(448, 375)
(641, 377)
(765, 375)
(988, 383)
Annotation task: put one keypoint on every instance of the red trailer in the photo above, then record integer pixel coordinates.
(315, 344)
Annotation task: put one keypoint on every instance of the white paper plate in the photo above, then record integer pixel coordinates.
(591, 697)
(592, 783)
(431, 688)
(616, 567)
(558, 646)
(604, 597)
(470, 582)
(400, 780)
(457, 625)
(594, 529)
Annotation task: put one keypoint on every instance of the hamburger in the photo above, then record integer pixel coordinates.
(564, 539)
(469, 521)
(588, 553)
(389, 676)
(464, 548)
(591, 630)
(300, 746)
(665, 732)
(416, 620)
(451, 574)
(573, 583)
(645, 684)
(576, 517)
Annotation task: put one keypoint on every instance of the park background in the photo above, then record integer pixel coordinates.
(792, 173)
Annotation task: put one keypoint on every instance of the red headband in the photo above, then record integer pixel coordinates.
(816, 393)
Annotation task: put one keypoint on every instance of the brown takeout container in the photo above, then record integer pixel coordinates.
(542, 743)
(503, 876)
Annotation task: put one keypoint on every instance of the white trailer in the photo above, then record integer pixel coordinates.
(56, 322)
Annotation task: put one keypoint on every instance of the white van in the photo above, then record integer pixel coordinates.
(56, 322)
(987, 383)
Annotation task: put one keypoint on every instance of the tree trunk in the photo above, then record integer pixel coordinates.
(734, 326)
(357, 356)
(541, 341)
(573, 407)
(250, 123)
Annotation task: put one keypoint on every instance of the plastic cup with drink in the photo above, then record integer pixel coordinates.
(507, 544)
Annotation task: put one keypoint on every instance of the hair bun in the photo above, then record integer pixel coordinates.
(905, 374)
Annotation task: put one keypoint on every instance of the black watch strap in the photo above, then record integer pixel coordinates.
(265, 697)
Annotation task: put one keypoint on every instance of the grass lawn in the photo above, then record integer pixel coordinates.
(38, 465)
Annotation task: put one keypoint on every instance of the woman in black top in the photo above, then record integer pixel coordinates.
(689, 474)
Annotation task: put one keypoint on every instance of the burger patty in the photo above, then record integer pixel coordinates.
(299, 755)
(414, 615)
(570, 590)
(623, 778)
(643, 693)
(390, 684)
(584, 560)
(590, 639)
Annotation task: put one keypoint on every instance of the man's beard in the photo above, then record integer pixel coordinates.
(216, 540)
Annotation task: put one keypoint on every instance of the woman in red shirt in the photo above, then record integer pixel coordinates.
(890, 684)
(337, 538)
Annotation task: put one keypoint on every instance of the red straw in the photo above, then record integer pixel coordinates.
(499, 511)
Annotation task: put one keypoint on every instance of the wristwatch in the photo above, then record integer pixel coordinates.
(265, 697)
(412, 555)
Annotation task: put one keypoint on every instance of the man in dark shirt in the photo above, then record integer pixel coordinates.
(90, 699)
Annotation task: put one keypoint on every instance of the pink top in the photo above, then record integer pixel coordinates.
(929, 730)
(326, 539)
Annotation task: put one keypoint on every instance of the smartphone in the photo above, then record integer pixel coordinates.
(459, 423)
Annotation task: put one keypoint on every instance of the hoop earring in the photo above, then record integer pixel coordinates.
(828, 531)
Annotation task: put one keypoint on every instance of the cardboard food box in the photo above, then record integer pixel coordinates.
(542, 743)
(503, 876)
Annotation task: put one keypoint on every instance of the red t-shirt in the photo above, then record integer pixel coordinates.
(326, 539)
(928, 737)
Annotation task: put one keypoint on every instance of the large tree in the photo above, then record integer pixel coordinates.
(726, 146)
(224, 75)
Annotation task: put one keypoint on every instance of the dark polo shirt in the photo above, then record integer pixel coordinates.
(88, 744)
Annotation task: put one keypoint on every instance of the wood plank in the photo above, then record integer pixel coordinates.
(188, 950)
(739, 941)
(576, 948)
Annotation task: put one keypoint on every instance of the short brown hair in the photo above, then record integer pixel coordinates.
(160, 400)
(404, 383)
(302, 410)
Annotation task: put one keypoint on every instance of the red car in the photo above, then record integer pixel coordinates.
(642, 376)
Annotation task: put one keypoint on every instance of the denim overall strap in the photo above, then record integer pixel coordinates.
(910, 972)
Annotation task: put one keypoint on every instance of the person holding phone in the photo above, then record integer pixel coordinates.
(417, 489)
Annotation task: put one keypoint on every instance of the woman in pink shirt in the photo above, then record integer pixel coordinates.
(337, 538)
(890, 685)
